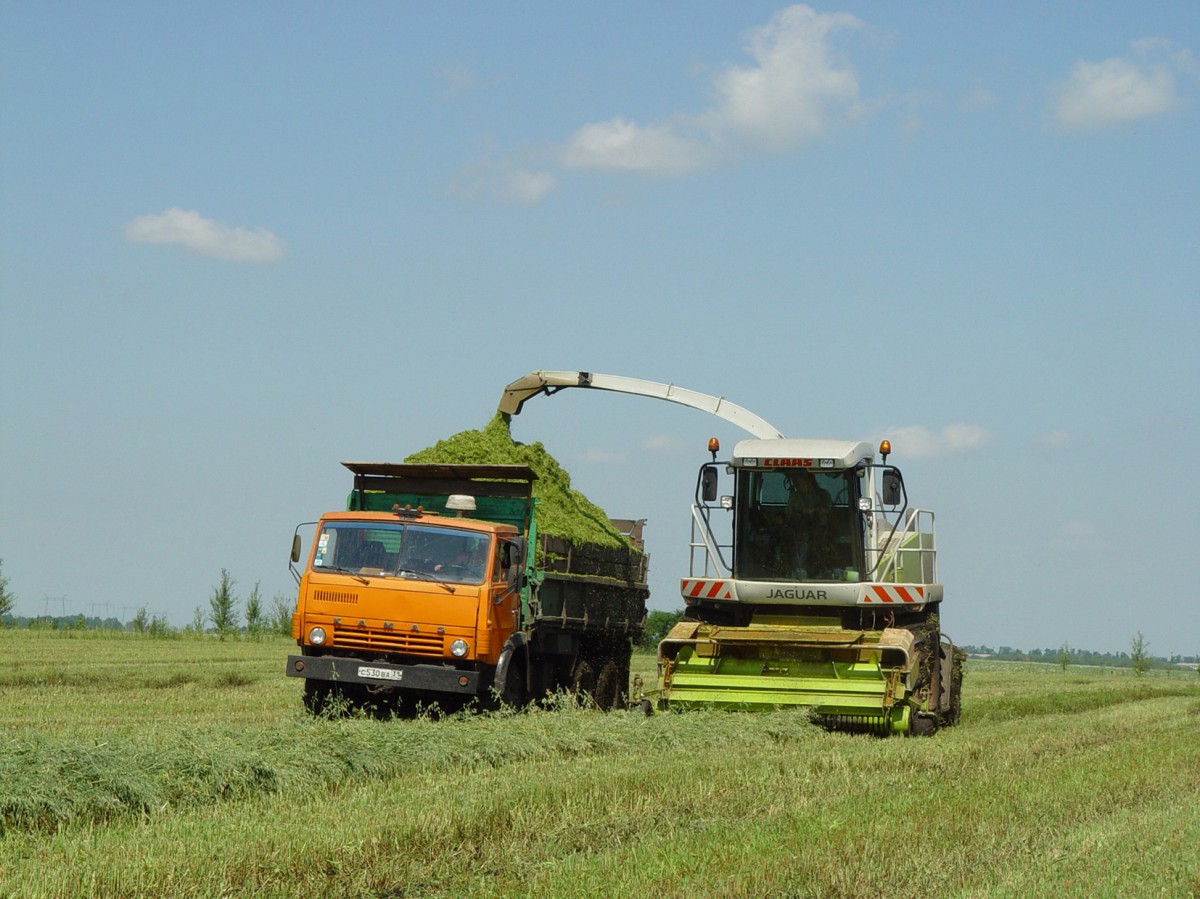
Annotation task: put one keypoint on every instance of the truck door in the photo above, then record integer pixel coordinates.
(504, 612)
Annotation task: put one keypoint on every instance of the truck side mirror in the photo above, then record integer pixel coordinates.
(512, 561)
(295, 548)
(893, 487)
(708, 483)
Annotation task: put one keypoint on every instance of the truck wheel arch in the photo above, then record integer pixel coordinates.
(515, 652)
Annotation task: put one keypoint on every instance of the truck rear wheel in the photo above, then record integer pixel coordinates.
(584, 680)
(608, 686)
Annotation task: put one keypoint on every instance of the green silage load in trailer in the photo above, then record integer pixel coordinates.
(561, 511)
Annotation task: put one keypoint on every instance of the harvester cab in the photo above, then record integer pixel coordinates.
(812, 581)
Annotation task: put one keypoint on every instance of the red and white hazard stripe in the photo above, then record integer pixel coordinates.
(704, 588)
(883, 593)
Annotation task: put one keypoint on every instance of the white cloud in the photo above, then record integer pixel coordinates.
(662, 443)
(795, 86)
(1116, 91)
(1080, 535)
(501, 183)
(604, 457)
(977, 99)
(622, 145)
(192, 231)
(1077, 529)
(1056, 439)
(458, 82)
(790, 94)
(919, 442)
(525, 188)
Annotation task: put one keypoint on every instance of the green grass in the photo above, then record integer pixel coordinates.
(134, 767)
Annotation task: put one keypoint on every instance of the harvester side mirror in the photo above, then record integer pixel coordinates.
(893, 487)
(708, 483)
(295, 548)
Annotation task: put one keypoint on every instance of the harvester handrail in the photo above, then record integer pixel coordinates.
(885, 559)
(714, 559)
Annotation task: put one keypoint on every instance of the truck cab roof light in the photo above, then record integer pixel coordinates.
(460, 503)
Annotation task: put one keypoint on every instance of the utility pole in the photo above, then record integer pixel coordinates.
(47, 601)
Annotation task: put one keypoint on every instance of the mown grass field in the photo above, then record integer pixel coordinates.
(137, 767)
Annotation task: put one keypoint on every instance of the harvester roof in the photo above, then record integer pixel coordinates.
(789, 451)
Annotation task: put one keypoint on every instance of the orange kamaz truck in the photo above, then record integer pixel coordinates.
(434, 589)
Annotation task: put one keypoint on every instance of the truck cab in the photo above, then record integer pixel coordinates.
(421, 598)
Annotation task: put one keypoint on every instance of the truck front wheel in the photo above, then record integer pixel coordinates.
(512, 691)
(328, 700)
(317, 696)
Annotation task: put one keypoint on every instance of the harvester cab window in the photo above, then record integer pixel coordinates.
(797, 525)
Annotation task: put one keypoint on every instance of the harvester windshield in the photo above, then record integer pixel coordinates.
(796, 524)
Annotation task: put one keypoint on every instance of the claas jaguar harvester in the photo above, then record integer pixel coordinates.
(434, 589)
(812, 580)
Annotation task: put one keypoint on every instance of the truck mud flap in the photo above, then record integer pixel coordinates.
(432, 678)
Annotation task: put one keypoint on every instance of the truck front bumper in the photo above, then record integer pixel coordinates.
(431, 678)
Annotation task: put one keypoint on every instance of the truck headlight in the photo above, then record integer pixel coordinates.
(316, 636)
(458, 648)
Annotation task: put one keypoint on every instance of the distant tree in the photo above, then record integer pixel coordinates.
(254, 612)
(7, 600)
(1139, 654)
(1064, 656)
(197, 625)
(282, 607)
(140, 621)
(159, 627)
(223, 607)
(658, 625)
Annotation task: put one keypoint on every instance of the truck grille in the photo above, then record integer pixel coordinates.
(405, 642)
(341, 596)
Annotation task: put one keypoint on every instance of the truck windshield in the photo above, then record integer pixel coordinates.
(380, 549)
(797, 525)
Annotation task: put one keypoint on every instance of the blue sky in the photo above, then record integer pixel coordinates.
(242, 243)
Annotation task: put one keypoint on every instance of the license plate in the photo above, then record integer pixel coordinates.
(380, 673)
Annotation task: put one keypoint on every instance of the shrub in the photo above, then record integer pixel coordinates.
(1139, 654)
(223, 607)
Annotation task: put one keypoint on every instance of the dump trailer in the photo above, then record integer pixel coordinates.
(812, 581)
(434, 588)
